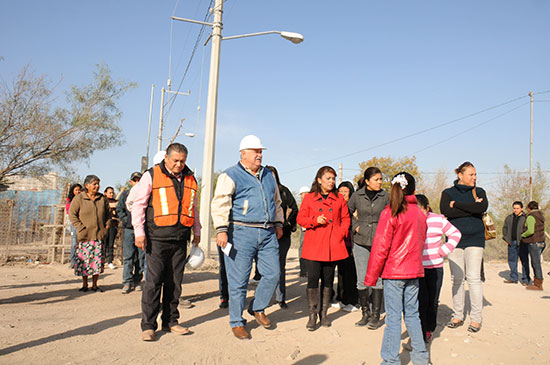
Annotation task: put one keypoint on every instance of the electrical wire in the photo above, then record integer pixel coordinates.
(469, 129)
(410, 135)
(174, 96)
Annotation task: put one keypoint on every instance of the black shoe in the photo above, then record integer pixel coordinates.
(97, 289)
(83, 289)
(224, 303)
(283, 305)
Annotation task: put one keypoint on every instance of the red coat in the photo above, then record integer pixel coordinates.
(324, 242)
(398, 243)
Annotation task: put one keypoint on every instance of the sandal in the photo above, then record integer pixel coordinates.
(474, 329)
(97, 289)
(83, 289)
(454, 324)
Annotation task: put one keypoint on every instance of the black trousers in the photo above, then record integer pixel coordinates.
(347, 281)
(165, 264)
(320, 270)
(428, 298)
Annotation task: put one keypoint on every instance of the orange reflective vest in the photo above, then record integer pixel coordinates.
(166, 205)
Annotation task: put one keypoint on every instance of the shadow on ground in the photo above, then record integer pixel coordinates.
(85, 330)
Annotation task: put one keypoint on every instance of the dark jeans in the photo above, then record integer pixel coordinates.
(535, 252)
(347, 281)
(224, 293)
(165, 263)
(280, 291)
(513, 254)
(110, 243)
(428, 298)
(320, 270)
(524, 257)
(134, 259)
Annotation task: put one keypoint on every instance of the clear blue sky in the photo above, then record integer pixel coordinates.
(368, 72)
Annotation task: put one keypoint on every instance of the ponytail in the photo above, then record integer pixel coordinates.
(397, 200)
(402, 184)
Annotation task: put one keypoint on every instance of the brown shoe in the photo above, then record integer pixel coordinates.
(536, 286)
(510, 282)
(261, 318)
(240, 332)
(178, 330)
(148, 335)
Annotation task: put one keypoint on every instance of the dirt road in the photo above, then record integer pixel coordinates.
(45, 320)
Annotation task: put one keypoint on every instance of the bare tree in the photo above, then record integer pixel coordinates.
(37, 135)
(433, 187)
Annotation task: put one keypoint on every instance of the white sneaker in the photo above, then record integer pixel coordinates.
(337, 305)
(349, 308)
(112, 266)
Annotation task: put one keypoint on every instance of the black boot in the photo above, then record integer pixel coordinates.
(313, 306)
(377, 297)
(364, 302)
(325, 304)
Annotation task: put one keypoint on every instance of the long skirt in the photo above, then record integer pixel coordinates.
(89, 258)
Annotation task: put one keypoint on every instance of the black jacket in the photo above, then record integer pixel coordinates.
(466, 214)
(290, 210)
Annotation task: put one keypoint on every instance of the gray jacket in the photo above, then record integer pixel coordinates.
(507, 227)
(368, 213)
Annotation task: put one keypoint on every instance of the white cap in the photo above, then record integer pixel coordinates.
(251, 142)
(159, 157)
(304, 189)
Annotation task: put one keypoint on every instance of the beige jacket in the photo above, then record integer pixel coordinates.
(89, 217)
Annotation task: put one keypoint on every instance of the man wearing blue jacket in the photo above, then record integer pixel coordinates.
(247, 213)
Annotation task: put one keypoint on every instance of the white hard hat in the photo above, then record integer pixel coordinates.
(304, 189)
(251, 142)
(196, 257)
(159, 157)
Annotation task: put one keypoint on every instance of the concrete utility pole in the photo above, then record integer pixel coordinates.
(212, 109)
(207, 183)
(340, 173)
(531, 152)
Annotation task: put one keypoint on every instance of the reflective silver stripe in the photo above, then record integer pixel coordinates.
(163, 201)
(191, 204)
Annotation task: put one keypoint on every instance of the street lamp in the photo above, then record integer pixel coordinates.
(212, 108)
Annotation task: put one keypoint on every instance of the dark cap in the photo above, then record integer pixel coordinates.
(135, 175)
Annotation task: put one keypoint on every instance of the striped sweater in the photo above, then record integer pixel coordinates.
(434, 251)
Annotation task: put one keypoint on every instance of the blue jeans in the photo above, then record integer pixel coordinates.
(535, 252)
(401, 297)
(524, 258)
(247, 243)
(129, 252)
(513, 254)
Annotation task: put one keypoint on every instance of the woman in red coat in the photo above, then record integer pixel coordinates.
(324, 214)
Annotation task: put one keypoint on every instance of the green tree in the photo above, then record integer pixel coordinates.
(38, 135)
(389, 167)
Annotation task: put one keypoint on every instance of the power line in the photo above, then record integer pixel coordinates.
(469, 129)
(173, 99)
(412, 134)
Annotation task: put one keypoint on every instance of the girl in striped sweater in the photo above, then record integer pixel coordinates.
(432, 259)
